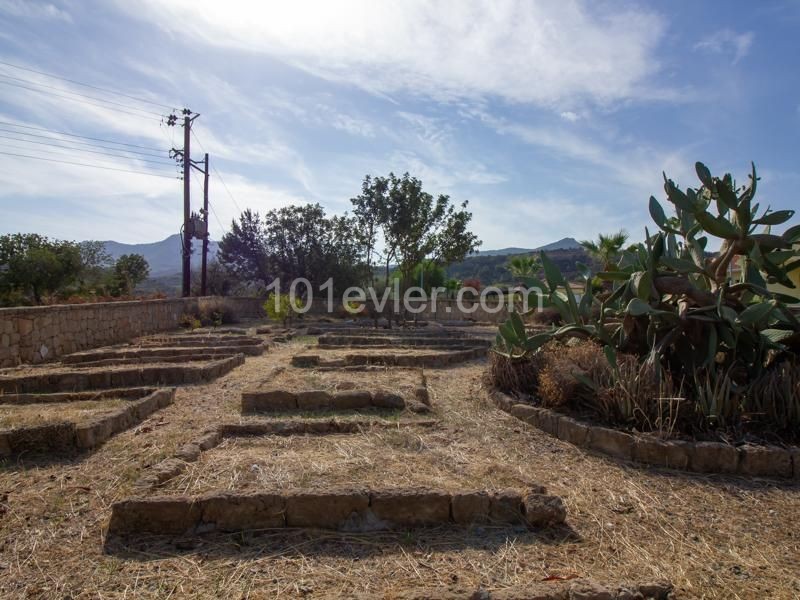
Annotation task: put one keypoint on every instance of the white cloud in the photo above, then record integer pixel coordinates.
(727, 41)
(539, 52)
(34, 10)
(570, 116)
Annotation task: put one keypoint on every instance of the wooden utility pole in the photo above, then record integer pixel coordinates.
(204, 268)
(187, 234)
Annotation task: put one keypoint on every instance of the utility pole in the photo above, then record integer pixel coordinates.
(188, 231)
(187, 237)
(204, 268)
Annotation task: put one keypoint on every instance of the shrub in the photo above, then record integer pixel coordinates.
(188, 321)
(279, 307)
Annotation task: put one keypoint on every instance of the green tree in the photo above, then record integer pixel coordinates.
(130, 270)
(414, 226)
(32, 266)
(607, 249)
(95, 265)
(293, 242)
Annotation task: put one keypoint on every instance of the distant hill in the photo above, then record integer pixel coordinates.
(164, 257)
(567, 243)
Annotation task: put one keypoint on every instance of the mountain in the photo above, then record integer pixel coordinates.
(566, 243)
(164, 257)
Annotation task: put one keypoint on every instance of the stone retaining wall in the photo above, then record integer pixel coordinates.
(348, 510)
(41, 333)
(66, 437)
(75, 380)
(699, 457)
(441, 359)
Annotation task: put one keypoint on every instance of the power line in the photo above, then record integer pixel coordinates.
(218, 174)
(140, 114)
(155, 162)
(52, 87)
(85, 137)
(88, 85)
(67, 162)
(45, 137)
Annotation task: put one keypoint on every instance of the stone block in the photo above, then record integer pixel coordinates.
(161, 515)
(25, 326)
(572, 431)
(470, 507)
(525, 412)
(505, 506)
(266, 400)
(611, 442)
(542, 510)
(386, 399)
(313, 400)
(672, 454)
(351, 399)
(411, 508)
(765, 461)
(714, 457)
(324, 510)
(243, 512)
(548, 421)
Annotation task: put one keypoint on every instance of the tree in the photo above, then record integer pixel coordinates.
(293, 242)
(524, 266)
(32, 266)
(130, 270)
(414, 225)
(95, 265)
(606, 250)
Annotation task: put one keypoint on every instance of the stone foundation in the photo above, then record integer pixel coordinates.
(65, 437)
(699, 457)
(346, 510)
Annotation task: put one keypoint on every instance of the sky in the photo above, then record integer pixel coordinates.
(552, 118)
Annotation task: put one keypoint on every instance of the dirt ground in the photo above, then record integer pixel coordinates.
(712, 536)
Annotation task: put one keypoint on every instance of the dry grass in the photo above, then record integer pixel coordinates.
(713, 536)
(375, 459)
(401, 381)
(26, 415)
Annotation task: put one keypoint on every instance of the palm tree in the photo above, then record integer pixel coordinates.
(606, 249)
(524, 266)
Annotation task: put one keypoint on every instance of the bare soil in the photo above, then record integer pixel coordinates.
(712, 536)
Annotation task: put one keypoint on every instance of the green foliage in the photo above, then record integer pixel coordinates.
(293, 242)
(524, 266)
(130, 270)
(673, 304)
(279, 307)
(607, 249)
(411, 225)
(33, 266)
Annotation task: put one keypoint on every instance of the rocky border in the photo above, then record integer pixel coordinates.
(71, 379)
(272, 399)
(86, 396)
(352, 510)
(331, 340)
(697, 457)
(64, 437)
(388, 359)
(154, 352)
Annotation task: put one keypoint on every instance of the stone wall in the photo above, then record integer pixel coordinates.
(42, 333)
(446, 310)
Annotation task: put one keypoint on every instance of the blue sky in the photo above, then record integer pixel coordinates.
(553, 119)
